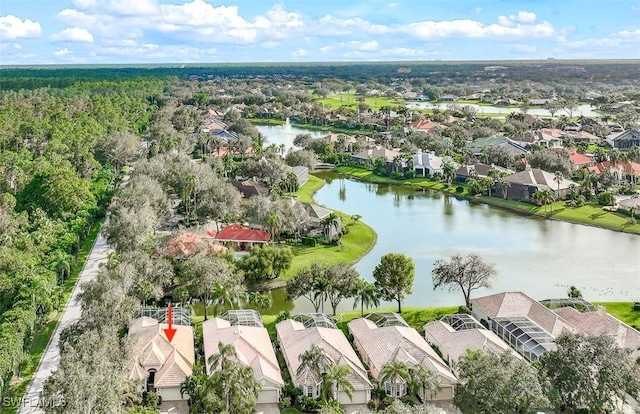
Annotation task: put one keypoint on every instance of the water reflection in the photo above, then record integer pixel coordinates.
(540, 257)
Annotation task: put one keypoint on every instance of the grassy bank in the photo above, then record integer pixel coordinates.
(354, 245)
(623, 311)
(43, 336)
(350, 99)
(590, 214)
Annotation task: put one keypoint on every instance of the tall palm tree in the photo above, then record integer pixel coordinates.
(424, 381)
(273, 224)
(261, 300)
(449, 172)
(544, 197)
(395, 373)
(558, 177)
(221, 360)
(225, 295)
(337, 379)
(365, 294)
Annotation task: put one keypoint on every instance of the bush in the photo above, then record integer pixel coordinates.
(606, 199)
(387, 401)
(407, 400)
(307, 404)
(459, 189)
(151, 399)
(309, 241)
(464, 309)
(285, 402)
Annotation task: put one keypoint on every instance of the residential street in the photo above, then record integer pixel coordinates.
(71, 314)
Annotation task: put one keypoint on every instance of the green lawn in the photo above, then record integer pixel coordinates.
(42, 337)
(350, 99)
(622, 311)
(354, 245)
(590, 214)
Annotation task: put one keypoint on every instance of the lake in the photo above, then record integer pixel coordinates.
(540, 257)
(584, 110)
(285, 134)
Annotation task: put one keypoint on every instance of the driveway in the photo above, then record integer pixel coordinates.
(71, 313)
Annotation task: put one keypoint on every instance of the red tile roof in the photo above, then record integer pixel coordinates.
(237, 233)
(426, 125)
(629, 167)
(579, 159)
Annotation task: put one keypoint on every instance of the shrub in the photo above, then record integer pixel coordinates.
(282, 316)
(459, 189)
(308, 405)
(464, 309)
(387, 401)
(606, 199)
(285, 402)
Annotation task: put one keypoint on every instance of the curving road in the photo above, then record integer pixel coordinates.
(71, 313)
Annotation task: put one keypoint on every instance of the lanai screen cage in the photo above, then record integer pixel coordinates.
(244, 317)
(579, 304)
(524, 335)
(383, 319)
(319, 320)
(180, 315)
(462, 321)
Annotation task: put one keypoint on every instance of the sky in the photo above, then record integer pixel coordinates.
(210, 31)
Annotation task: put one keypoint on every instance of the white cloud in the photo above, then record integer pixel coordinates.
(73, 34)
(300, 52)
(523, 48)
(467, 28)
(330, 25)
(12, 27)
(524, 17)
(63, 53)
(622, 38)
(352, 46)
(119, 7)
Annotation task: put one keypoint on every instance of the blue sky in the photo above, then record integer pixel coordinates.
(171, 31)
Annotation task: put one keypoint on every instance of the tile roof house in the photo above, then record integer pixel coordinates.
(381, 345)
(368, 155)
(187, 244)
(580, 160)
(253, 349)
(625, 140)
(453, 344)
(550, 137)
(527, 325)
(524, 184)
(621, 169)
(478, 170)
(294, 339)
(159, 365)
(600, 322)
(426, 125)
(250, 188)
(510, 146)
(242, 237)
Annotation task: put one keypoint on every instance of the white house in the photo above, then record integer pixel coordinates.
(427, 163)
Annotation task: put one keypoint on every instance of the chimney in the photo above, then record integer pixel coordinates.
(601, 310)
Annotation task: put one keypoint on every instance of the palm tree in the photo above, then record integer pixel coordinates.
(544, 197)
(221, 360)
(424, 381)
(448, 172)
(395, 373)
(558, 177)
(337, 378)
(273, 224)
(316, 360)
(224, 295)
(261, 300)
(365, 294)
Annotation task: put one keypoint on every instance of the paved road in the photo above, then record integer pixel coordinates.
(70, 315)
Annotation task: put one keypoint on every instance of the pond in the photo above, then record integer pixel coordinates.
(540, 257)
(584, 110)
(285, 134)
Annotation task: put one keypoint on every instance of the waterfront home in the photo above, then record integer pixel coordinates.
(367, 156)
(510, 147)
(479, 170)
(385, 338)
(427, 163)
(625, 140)
(301, 173)
(622, 170)
(524, 184)
(453, 335)
(160, 365)
(244, 330)
(296, 336)
(242, 238)
(525, 324)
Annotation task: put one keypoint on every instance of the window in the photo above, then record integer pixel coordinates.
(310, 392)
(151, 380)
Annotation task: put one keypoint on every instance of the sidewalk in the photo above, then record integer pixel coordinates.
(70, 315)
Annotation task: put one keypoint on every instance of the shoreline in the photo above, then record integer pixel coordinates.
(363, 175)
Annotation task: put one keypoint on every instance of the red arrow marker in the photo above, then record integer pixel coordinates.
(170, 332)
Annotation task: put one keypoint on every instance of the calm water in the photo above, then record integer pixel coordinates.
(584, 110)
(539, 257)
(285, 134)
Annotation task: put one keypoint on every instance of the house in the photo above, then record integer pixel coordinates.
(524, 184)
(367, 156)
(525, 324)
(448, 98)
(453, 335)
(347, 141)
(625, 140)
(385, 338)
(427, 163)
(426, 125)
(631, 204)
(160, 365)
(250, 188)
(510, 146)
(296, 336)
(187, 244)
(622, 170)
(478, 170)
(550, 137)
(583, 136)
(316, 213)
(599, 322)
(302, 174)
(242, 238)
(244, 330)
(580, 160)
